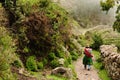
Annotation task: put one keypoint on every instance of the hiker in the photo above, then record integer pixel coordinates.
(87, 60)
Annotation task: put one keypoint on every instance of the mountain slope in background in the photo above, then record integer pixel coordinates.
(88, 13)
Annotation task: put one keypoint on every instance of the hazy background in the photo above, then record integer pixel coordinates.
(88, 12)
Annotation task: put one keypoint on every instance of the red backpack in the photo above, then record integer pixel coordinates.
(87, 53)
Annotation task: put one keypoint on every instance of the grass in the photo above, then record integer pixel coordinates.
(73, 71)
(39, 75)
(98, 65)
(52, 77)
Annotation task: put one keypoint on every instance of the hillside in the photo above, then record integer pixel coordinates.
(86, 14)
(40, 39)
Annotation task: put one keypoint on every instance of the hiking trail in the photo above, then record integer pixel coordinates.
(84, 74)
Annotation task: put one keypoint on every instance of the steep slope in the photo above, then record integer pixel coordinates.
(42, 36)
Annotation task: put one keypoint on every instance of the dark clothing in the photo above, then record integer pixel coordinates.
(87, 60)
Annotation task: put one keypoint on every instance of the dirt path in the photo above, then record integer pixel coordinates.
(83, 74)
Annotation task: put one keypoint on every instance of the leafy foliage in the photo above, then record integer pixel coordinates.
(60, 53)
(40, 27)
(42, 31)
(74, 55)
(97, 41)
(68, 61)
(17, 64)
(116, 25)
(54, 63)
(51, 56)
(31, 63)
(99, 66)
(44, 3)
(109, 4)
(40, 65)
(7, 55)
(45, 61)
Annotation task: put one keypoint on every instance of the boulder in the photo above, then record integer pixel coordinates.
(61, 61)
(65, 72)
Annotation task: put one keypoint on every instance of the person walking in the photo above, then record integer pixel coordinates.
(87, 59)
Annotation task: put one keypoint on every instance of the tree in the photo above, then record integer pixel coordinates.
(106, 5)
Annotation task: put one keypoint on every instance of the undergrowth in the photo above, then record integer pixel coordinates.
(99, 66)
(7, 54)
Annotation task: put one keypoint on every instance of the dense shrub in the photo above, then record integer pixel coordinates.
(107, 5)
(97, 41)
(45, 61)
(7, 54)
(31, 63)
(4, 65)
(68, 61)
(51, 56)
(44, 3)
(54, 63)
(74, 55)
(40, 27)
(17, 63)
(60, 53)
(116, 25)
(40, 65)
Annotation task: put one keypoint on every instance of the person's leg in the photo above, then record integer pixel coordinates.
(85, 66)
(89, 67)
(85, 62)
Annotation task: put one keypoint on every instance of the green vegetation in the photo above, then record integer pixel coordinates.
(51, 56)
(106, 5)
(73, 70)
(74, 55)
(116, 26)
(42, 28)
(7, 54)
(40, 65)
(31, 63)
(97, 41)
(45, 61)
(82, 40)
(56, 77)
(17, 63)
(54, 63)
(99, 66)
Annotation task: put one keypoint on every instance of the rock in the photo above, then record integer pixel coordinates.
(65, 72)
(61, 61)
(111, 60)
(21, 71)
